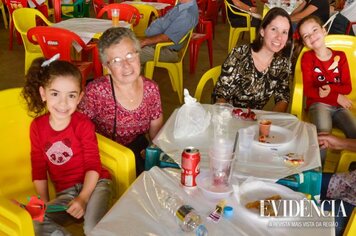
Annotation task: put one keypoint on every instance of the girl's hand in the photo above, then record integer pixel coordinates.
(324, 91)
(344, 101)
(77, 207)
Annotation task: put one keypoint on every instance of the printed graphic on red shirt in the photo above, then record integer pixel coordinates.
(59, 153)
(333, 68)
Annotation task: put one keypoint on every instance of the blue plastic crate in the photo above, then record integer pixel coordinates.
(308, 182)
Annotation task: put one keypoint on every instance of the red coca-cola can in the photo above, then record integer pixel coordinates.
(190, 166)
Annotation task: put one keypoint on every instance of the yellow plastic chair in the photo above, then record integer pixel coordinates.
(175, 69)
(2, 8)
(345, 161)
(235, 32)
(24, 19)
(343, 43)
(350, 229)
(15, 167)
(146, 12)
(212, 74)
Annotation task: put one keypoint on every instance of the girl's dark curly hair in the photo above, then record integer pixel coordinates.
(38, 76)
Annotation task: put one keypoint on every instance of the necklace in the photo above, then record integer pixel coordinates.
(115, 109)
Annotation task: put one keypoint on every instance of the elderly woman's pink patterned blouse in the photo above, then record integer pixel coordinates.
(98, 103)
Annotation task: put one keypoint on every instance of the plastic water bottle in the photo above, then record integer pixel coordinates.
(186, 216)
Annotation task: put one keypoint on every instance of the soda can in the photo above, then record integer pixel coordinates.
(190, 166)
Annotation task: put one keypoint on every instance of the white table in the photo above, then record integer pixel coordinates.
(158, 5)
(288, 8)
(138, 212)
(88, 28)
(263, 162)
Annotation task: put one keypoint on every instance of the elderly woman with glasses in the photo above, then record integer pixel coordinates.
(123, 105)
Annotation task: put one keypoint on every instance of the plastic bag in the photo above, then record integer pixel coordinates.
(192, 119)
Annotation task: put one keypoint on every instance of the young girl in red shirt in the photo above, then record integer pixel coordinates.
(326, 81)
(64, 146)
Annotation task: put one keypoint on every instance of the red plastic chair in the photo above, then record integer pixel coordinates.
(202, 7)
(79, 10)
(54, 40)
(127, 12)
(12, 5)
(212, 12)
(167, 8)
(204, 32)
(349, 26)
(98, 5)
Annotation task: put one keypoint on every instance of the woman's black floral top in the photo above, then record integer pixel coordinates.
(244, 86)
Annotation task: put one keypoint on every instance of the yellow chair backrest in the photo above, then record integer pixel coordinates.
(15, 165)
(340, 42)
(175, 69)
(2, 9)
(24, 19)
(212, 74)
(235, 31)
(350, 229)
(147, 14)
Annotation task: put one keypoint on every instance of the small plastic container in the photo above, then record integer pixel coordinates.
(228, 212)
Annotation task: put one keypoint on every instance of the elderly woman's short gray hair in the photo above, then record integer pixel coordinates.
(114, 36)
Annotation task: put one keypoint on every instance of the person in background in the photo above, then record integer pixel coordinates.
(64, 145)
(339, 186)
(252, 74)
(242, 6)
(171, 27)
(123, 105)
(326, 80)
(319, 8)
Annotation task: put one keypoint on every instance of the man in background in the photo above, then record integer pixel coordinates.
(171, 27)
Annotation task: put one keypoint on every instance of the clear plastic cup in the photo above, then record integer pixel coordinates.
(115, 16)
(221, 170)
(221, 119)
(246, 136)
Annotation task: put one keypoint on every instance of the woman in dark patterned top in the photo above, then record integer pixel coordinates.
(123, 105)
(252, 74)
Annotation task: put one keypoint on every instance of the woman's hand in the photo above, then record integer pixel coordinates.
(327, 140)
(324, 91)
(344, 101)
(76, 207)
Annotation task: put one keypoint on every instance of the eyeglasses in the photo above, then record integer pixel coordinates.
(118, 61)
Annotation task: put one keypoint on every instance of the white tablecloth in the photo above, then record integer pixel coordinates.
(157, 5)
(138, 212)
(87, 28)
(264, 162)
(279, 3)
